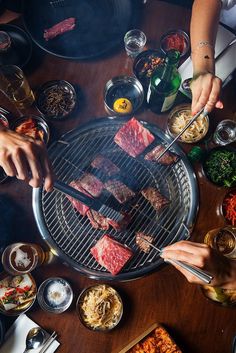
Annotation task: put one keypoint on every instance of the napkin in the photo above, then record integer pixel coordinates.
(16, 335)
(224, 66)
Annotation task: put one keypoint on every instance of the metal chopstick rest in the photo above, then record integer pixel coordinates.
(48, 342)
(182, 131)
(200, 274)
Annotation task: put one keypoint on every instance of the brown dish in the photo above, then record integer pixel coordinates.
(17, 293)
(100, 307)
(56, 99)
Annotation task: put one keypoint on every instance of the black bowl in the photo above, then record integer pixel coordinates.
(144, 65)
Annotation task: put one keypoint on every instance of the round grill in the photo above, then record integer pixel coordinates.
(71, 236)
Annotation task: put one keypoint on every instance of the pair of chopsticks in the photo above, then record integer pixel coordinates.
(197, 272)
(48, 342)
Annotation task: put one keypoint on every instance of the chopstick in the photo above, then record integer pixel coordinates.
(197, 272)
(48, 342)
(182, 131)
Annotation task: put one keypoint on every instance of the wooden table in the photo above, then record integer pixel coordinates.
(199, 326)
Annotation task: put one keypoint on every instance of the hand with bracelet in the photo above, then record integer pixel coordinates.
(205, 86)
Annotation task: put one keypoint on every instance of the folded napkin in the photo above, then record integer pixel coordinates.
(16, 335)
(224, 66)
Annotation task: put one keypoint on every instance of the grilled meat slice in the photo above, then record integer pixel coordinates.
(167, 159)
(105, 165)
(91, 184)
(59, 28)
(143, 246)
(156, 199)
(79, 206)
(133, 137)
(111, 254)
(119, 190)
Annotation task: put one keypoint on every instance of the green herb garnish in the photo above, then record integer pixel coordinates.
(221, 167)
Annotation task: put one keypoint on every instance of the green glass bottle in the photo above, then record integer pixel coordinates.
(164, 84)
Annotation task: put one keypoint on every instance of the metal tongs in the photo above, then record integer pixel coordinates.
(197, 272)
(91, 202)
(202, 111)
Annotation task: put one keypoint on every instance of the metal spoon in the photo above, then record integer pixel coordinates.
(34, 339)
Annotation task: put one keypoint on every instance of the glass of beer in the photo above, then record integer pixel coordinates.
(21, 258)
(15, 86)
(223, 240)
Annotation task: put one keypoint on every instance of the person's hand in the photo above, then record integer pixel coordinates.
(202, 256)
(25, 158)
(205, 89)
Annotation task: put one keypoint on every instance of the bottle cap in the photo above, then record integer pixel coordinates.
(195, 154)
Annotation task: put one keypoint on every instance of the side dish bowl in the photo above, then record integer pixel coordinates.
(33, 126)
(175, 39)
(99, 307)
(178, 119)
(125, 88)
(145, 64)
(219, 166)
(56, 99)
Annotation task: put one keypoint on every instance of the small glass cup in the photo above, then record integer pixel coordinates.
(225, 132)
(135, 41)
(21, 258)
(15, 86)
(5, 42)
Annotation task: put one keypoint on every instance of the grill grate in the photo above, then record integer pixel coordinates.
(72, 236)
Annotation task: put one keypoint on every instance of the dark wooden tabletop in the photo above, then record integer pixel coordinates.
(197, 325)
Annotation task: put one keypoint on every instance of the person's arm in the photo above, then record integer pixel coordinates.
(25, 158)
(201, 255)
(205, 85)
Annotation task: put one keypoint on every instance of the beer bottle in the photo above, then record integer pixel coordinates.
(164, 84)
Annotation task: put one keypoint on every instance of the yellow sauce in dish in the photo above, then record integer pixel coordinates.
(123, 106)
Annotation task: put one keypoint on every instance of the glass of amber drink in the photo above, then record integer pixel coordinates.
(15, 86)
(21, 258)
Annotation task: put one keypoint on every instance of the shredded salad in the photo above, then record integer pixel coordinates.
(195, 131)
(229, 207)
(101, 307)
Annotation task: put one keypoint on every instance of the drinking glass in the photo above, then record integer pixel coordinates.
(21, 258)
(223, 240)
(135, 41)
(15, 86)
(225, 132)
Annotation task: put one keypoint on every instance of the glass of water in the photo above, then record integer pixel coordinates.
(135, 41)
(225, 132)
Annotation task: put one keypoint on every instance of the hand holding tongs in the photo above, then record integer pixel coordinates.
(200, 274)
(182, 131)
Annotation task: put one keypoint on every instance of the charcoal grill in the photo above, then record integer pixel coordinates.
(71, 236)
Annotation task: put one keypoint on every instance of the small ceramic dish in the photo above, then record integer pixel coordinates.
(123, 95)
(55, 295)
(175, 39)
(99, 307)
(33, 126)
(178, 119)
(18, 293)
(145, 64)
(56, 99)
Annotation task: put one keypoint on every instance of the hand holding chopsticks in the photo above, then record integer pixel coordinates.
(193, 270)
